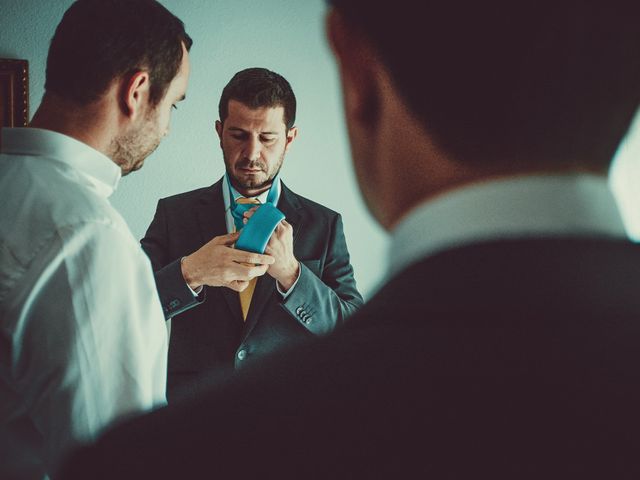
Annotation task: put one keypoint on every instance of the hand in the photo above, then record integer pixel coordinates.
(218, 264)
(247, 215)
(285, 268)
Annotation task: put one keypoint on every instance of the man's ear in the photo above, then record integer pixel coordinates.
(135, 94)
(357, 64)
(291, 136)
(219, 128)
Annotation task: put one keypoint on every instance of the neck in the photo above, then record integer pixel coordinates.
(400, 175)
(412, 171)
(86, 123)
(250, 192)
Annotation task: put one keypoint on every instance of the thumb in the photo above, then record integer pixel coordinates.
(228, 239)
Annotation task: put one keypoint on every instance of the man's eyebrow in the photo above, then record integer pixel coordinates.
(238, 129)
(183, 97)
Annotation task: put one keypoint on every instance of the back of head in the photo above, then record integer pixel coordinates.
(257, 88)
(99, 40)
(511, 83)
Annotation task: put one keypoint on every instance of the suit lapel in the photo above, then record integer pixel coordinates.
(212, 222)
(210, 212)
(266, 285)
(290, 206)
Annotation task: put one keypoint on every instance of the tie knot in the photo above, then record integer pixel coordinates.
(242, 205)
(245, 201)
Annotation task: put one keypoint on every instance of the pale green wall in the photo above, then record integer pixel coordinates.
(283, 35)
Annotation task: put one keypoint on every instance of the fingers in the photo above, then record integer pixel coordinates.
(284, 227)
(238, 285)
(240, 256)
(246, 271)
(244, 274)
(257, 270)
(228, 239)
(282, 233)
(247, 215)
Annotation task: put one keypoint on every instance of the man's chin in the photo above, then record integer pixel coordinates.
(134, 168)
(249, 183)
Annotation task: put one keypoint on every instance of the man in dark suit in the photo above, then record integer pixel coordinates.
(505, 343)
(309, 288)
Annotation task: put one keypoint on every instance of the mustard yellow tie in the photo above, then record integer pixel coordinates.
(247, 293)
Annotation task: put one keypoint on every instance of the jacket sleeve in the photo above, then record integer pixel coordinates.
(322, 301)
(175, 295)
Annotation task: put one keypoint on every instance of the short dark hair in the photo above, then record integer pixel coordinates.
(256, 88)
(99, 40)
(511, 82)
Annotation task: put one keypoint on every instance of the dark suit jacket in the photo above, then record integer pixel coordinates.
(213, 335)
(513, 359)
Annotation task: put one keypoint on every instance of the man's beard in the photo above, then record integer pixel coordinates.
(252, 184)
(130, 149)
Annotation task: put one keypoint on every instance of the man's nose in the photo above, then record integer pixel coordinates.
(253, 149)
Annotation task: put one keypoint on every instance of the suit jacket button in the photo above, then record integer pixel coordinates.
(242, 354)
(298, 310)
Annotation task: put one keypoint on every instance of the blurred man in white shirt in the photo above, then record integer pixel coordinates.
(82, 333)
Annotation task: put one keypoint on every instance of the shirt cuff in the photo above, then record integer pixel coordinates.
(195, 292)
(288, 292)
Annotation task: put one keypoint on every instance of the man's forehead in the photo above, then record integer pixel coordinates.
(242, 116)
(181, 79)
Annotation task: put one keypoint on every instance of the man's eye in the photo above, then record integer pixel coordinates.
(174, 107)
(268, 139)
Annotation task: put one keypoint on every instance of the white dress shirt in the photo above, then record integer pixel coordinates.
(522, 207)
(82, 334)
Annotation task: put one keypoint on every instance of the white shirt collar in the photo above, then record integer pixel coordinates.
(532, 206)
(99, 169)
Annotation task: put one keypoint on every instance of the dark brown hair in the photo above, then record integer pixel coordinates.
(259, 87)
(99, 40)
(503, 81)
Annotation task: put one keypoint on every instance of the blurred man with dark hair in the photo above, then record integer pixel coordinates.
(310, 288)
(505, 343)
(82, 334)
